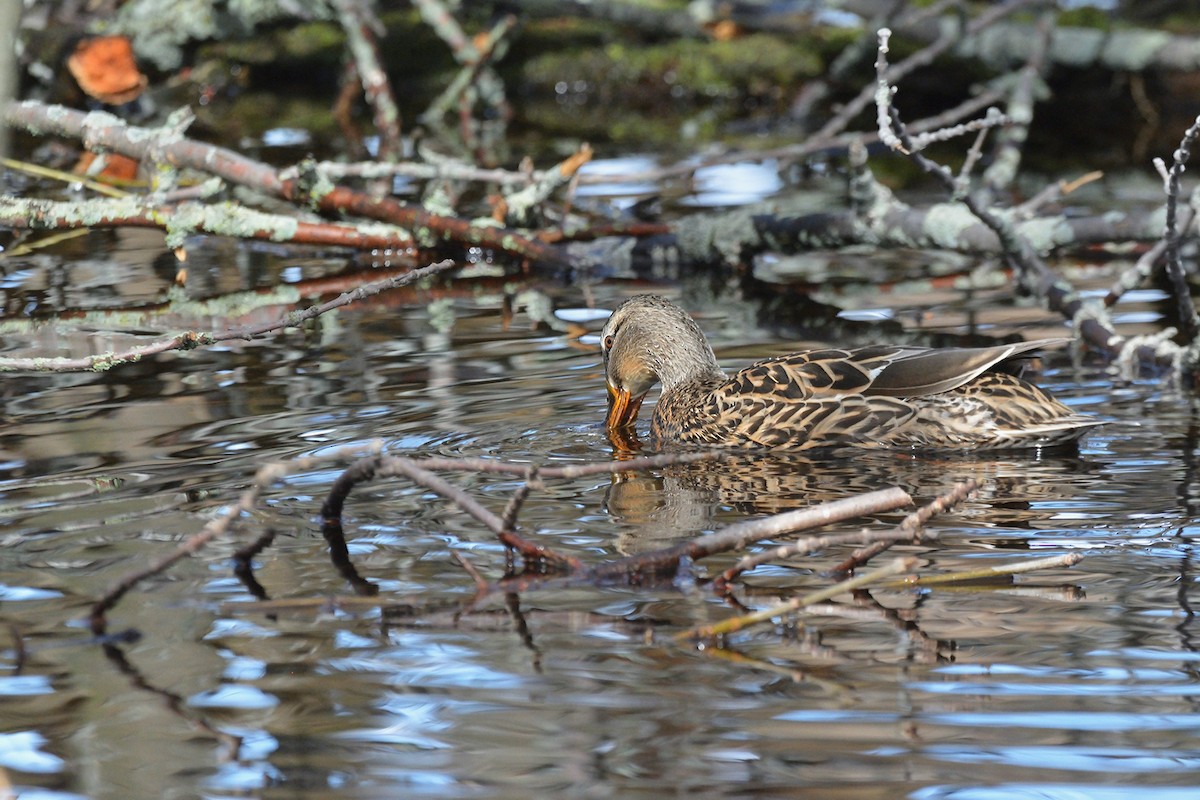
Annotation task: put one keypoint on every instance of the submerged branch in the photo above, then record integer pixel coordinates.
(218, 526)
(735, 624)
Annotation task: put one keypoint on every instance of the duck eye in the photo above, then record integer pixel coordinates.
(608, 343)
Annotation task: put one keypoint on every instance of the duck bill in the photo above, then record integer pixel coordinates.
(622, 408)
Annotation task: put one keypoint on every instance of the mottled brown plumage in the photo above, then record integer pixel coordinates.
(880, 396)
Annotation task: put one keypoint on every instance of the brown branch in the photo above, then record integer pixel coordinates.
(913, 525)
(218, 526)
(179, 219)
(664, 562)
(359, 23)
(389, 466)
(243, 563)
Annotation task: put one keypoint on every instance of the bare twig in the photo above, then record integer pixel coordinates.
(218, 526)
(949, 38)
(468, 75)
(734, 624)
(738, 535)
(913, 524)
(1175, 272)
(389, 466)
(360, 24)
(481, 583)
(984, 573)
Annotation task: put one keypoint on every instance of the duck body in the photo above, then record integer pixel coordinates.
(879, 396)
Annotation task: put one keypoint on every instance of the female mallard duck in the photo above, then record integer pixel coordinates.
(880, 396)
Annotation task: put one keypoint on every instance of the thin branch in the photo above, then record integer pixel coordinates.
(984, 573)
(739, 535)
(734, 624)
(923, 57)
(360, 24)
(468, 75)
(1175, 272)
(913, 524)
(216, 527)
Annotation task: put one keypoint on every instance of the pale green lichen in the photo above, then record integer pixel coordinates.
(945, 223)
(227, 219)
(162, 29)
(441, 315)
(230, 306)
(1046, 234)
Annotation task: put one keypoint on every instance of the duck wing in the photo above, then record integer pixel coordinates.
(879, 371)
(811, 399)
(919, 372)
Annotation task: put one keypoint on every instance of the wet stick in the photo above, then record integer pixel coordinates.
(1052, 562)
(735, 624)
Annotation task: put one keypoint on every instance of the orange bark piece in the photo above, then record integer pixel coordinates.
(117, 167)
(105, 69)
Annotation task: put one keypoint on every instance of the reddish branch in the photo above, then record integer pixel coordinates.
(103, 131)
(360, 23)
(49, 215)
(538, 559)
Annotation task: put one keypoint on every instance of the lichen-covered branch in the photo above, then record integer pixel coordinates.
(101, 130)
(180, 220)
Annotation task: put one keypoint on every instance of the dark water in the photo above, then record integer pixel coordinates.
(1060, 684)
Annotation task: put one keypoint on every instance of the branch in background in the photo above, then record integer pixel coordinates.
(180, 220)
(193, 339)
(1175, 271)
(1010, 142)
(361, 26)
(439, 17)
(100, 130)
(1089, 318)
(453, 94)
(518, 207)
(948, 38)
